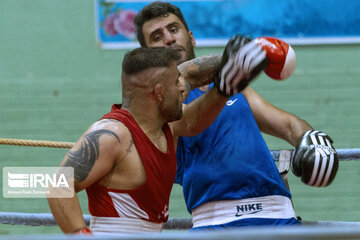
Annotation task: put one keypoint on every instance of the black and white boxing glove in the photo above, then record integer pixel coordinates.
(315, 159)
(242, 60)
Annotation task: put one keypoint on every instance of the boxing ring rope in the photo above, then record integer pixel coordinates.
(283, 233)
(343, 154)
(35, 143)
(309, 229)
(47, 219)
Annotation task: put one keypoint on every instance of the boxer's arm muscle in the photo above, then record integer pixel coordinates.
(200, 71)
(199, 114)
(92, 157)
(274, 121)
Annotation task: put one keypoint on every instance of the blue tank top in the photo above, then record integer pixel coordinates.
(229, 160)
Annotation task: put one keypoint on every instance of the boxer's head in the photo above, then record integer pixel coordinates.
(161, 24)
(151, 74)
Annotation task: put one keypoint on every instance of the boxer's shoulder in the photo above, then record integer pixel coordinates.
(112, 127)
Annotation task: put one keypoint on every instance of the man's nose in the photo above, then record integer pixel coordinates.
(182, 88)
(169, 38)
(183, 93)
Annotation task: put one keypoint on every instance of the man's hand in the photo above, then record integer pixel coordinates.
(243, 59)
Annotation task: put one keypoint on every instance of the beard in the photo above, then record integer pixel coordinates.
(187, 52)
(190, 54)
(172, 111)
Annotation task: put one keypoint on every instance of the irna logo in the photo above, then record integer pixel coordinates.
(38, 182)
(18, 180)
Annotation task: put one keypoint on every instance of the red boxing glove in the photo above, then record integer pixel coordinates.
(83, 231)
(281, 57)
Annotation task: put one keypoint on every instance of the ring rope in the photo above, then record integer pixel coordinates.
(36, 143)
(47, 219)
(343, 154)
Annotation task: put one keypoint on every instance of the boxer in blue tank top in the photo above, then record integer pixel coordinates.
(228, 175)
(229, 161)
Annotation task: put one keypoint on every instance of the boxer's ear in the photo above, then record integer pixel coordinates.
(193, 42)
(159, 92)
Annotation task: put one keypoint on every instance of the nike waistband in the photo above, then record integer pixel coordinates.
(221, 212)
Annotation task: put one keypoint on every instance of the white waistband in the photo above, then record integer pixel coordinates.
(221, 212)
(116, 225)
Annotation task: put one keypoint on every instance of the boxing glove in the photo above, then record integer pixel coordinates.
(315, 159)
(241, 62)
(281, 57)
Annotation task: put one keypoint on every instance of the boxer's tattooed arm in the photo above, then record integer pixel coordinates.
(83, 159)
(187, 87)
(128, 150)
(201, 70)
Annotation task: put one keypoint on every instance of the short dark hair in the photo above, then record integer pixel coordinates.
(154, 10)
(143, 58)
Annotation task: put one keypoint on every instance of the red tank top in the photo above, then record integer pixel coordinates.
(151, 200)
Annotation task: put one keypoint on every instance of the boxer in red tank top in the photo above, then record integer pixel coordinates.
(126, 160)
(151, 198)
